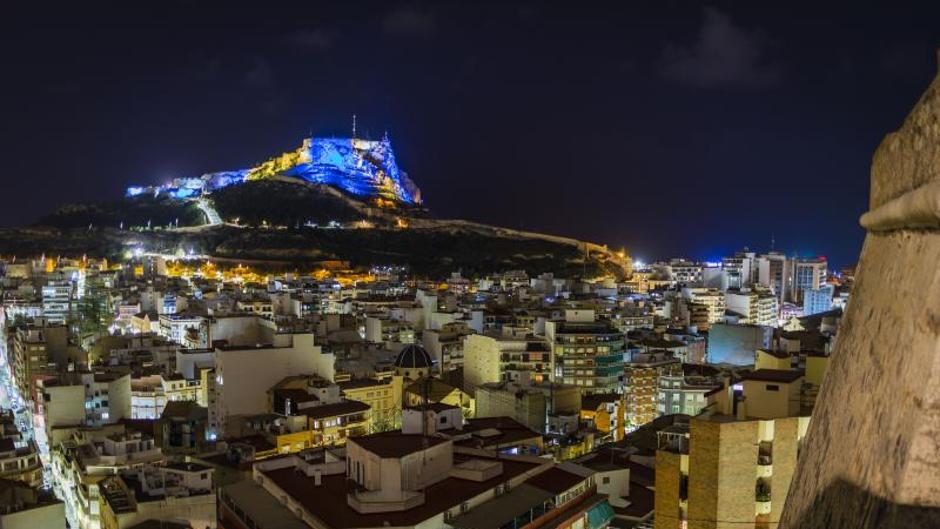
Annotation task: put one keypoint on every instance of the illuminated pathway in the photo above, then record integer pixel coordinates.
(212, 216)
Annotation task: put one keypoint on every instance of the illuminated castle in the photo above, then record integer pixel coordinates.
(363, 168)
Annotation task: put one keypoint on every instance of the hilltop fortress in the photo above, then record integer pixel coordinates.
(364, 168)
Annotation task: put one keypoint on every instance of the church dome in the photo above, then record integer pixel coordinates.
(413, 357)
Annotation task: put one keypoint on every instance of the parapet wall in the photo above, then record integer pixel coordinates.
(871, 458)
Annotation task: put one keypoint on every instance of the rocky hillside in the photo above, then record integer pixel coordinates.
(288, 220)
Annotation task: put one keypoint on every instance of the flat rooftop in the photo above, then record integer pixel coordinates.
(261, 507)
(774, 375)
(505, 508)
(395, 444)
(328, 501)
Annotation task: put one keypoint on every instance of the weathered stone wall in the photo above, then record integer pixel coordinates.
(871, 457)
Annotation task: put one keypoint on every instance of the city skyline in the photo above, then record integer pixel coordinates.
(470, 265)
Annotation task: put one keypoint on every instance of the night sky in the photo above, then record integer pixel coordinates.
(674, 128)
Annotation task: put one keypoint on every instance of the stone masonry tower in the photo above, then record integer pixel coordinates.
(871, 458)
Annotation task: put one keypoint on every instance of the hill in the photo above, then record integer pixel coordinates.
(330, 199)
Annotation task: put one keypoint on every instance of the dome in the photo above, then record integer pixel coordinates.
(413, 357)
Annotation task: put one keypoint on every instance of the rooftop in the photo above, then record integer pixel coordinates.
(395, 444)
(436, 407)
(345, 407)
(502, 509)
(774, 375)
(189, 467)
(328, 501)
(555, 480)
(263, 508)
(496, 431)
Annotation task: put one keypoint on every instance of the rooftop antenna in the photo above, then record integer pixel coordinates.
(772, 242)
(354, 127)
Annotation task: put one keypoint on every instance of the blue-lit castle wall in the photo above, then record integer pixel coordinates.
(360, 167)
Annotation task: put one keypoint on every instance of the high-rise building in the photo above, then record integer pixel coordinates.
(775, 271)
(756, 307)
(721, 473)
(808, 274)
(732, 464)
(740, 270)
(816, 300)
(39, 348)
(641, 385)
(684, 272)
(57, 301)
(506, 356)
(588, 352)
(700, 307)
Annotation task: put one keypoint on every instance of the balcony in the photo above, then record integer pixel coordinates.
(765, 471)
(674, 439)
(762, 497)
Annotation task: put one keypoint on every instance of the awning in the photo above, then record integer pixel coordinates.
(600, 515)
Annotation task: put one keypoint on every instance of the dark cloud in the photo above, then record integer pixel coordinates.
(311, 39)
(409, 21)
(723, 55)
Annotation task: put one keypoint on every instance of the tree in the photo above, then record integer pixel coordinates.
(382, 422)
(92, 315)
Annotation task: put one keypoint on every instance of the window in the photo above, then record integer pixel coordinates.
(605, 480)
(443, 419)
(772, 387)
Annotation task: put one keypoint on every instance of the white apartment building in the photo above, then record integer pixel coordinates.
(244, 374)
